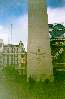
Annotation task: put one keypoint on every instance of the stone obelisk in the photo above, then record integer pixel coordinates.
(39, 63)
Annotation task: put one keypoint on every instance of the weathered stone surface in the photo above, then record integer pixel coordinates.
(39, 63)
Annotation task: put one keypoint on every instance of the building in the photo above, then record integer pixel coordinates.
(1, 50)
(14, 56)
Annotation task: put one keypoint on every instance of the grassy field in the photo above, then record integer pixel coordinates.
(14, 86)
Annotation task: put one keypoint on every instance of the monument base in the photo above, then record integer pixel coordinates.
(40, 78)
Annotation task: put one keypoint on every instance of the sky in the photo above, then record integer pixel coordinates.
(15, 12)
(56, 11)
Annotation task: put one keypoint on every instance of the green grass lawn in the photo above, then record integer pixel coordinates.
(15, 86)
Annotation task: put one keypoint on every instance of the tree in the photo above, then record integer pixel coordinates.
(57, 30)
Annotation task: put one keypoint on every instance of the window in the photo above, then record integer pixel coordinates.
(0, 44)
(8, 50)
(22, 56)
(17, 49)
(12, 50)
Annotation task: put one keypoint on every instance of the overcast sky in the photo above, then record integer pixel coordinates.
(15, 12)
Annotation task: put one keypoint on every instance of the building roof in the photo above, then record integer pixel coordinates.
(10, 45)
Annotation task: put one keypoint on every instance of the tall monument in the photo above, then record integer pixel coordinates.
(39, 63)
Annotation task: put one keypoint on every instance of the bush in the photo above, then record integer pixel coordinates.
(47, 81)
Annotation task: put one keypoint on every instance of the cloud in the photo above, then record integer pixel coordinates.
(3, 33)
(19, 30)
(12, 8)
(56, 15)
